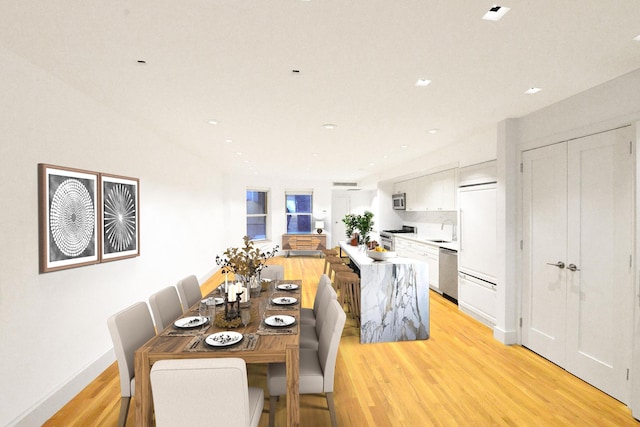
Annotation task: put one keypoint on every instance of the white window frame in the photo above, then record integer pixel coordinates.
(304, 192)
(266, 215)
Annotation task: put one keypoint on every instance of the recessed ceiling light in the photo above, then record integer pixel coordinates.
(239, 153)
(637, 38)
(228, 141)
(532, 90)
(495, 13)
(213, 122)
(423, 82)
(372, 164)
(403, 146)
(329, 126)
(434, 130)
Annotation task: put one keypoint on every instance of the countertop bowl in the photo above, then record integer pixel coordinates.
(381, 256)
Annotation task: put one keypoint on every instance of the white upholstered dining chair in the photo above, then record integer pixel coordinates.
(310, 332)
(317, 367)
(165, 306)
(189, 291)
(199, 392)
(129, 329)
(308, 315)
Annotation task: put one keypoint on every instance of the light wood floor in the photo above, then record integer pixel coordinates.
(460, 376)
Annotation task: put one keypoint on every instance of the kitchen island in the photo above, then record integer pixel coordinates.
(394, 297)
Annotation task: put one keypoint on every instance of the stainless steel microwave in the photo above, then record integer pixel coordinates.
(399, 201)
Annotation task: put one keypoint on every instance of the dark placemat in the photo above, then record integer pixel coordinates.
(197, 344)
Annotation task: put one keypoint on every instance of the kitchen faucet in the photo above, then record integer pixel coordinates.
(453, 229)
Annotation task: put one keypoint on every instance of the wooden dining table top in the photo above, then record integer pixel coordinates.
(272, 346)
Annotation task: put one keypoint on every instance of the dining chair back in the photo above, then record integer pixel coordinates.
(273, 272)
(165, 306)
(317, 367)
(199, 392)
(308, 315)
(310, 333)
(189, 291)
(129, 330)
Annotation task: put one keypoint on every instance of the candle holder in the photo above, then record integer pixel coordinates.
(232, 308)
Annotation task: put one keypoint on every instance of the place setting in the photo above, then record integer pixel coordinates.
(283, 302)
(223, 341)
(188, 326)
(276, 324)
(287, 287)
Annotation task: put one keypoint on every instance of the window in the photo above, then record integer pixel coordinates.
(257, 214)
(299, 206)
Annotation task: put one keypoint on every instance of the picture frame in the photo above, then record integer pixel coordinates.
(119, 217)
(68, 217)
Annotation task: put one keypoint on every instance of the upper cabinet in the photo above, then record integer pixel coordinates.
(434, 192)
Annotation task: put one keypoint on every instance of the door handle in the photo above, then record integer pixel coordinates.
(573, 267)
(558, 264)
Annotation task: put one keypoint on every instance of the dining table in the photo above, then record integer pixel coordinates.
(261, 342)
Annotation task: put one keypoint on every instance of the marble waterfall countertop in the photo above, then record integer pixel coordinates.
(394, 297)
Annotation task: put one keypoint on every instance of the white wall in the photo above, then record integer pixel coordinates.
(53, 332)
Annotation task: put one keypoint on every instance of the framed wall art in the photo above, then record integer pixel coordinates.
(120, 217)
(68, 217)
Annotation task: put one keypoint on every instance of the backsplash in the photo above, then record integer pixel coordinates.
(429, 224)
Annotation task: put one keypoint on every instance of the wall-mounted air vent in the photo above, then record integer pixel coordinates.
(345, 184)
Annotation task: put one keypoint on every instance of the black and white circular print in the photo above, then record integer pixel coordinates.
(71, 218)
(119, 211)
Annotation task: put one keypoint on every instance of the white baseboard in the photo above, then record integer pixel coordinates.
(505, 337)
(44, 409)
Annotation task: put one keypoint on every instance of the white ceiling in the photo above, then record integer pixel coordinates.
(232, 60)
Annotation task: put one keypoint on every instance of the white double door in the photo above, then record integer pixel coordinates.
(578, 294)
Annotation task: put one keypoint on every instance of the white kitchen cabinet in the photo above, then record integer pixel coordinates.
(425, 252)
(421, 191)
(432, 254)
(442, 191)
(434, 192)
(477, 298)
(408, 187)
(401, 247)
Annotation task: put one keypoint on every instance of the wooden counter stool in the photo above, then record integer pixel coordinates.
(348, 285)
(330, 252)
(338, 268)
(329, 261)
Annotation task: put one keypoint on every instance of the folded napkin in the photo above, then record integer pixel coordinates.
(197, 344)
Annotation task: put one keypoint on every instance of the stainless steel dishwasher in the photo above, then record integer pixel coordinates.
(448, 273)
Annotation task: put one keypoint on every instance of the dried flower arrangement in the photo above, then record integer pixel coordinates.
(247, 261)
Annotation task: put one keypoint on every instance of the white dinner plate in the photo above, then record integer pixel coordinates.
(222, 339)
(280, 321)
(285, 300)
(287, 286)
(190, 322)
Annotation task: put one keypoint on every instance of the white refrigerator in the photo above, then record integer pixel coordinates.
(477, 257)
